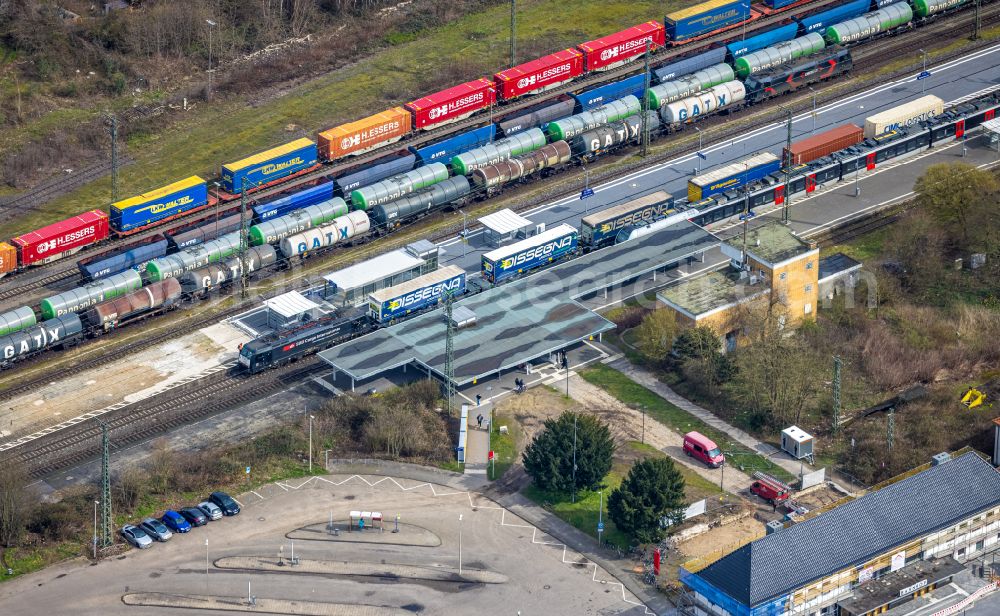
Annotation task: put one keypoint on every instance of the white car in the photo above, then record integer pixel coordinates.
(136, 536)
(211, 510)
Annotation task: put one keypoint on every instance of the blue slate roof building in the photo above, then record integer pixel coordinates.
(950, 510)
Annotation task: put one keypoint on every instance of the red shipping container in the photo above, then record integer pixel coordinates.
(622, 46)
(544, 72)
(453, 103)
(59, 237)
(824, 143)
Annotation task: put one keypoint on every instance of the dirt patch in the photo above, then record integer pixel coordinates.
(721, 538)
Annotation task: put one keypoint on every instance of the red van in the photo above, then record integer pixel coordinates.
(697, 445)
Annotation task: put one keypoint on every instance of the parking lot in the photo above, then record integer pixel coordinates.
(507, 566)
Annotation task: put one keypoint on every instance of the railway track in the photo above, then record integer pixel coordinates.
(151, 417)
(171, 405)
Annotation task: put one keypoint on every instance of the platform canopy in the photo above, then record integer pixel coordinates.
(522, 320)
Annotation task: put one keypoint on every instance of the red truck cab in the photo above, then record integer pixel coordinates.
(699, 446)
(770, 489)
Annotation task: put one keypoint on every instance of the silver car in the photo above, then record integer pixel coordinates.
(211, 510)
(136, 536)
(156, 529)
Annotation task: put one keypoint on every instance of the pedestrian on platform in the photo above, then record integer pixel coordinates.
(479, 421)
(479, 399)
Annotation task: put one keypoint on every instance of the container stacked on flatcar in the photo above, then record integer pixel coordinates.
(174, 200)
(735, 175)
(295, 201)
(909, 114)
(705, 18)
(129, 257)
(364, 135)
(599, 229)
(8, 259)
(444, 151)
(808, 150)
(529, 254)
(539, 75)
(415, 295)
(269, 166)
(61, 238)
(616, 49)
(452, 104)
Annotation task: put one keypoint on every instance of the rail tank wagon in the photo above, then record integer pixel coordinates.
(614, 135)
(204, 278)
(498, 174)
(86, 296)
(342, 229)
(52, 333)
(201, 255)
(581, 122)
(420, 202)
(711, 100)
(869, 24)
(395, 187)
(779, 54)
(671, 91)
(110, 314)
(518, 144)
(16, 320)
(298, 221)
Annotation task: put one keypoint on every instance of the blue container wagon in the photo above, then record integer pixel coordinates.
(820, 21)
(444, 151)
(705, 17)
(760, 41)
(417, 294)
(379, 170)
(158, 205)
(135, 257)
(689, 64)
(294, 201)
(732, 176)
(602, 95)
(268, 166)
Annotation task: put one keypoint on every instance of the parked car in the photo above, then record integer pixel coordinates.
(699, 446)
(136, 536)
(225, 502)
(156, 529)
(211, 510)
(175, 521)
(194, 516)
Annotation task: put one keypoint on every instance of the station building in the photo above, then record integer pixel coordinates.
(900, 540)
(781, 270)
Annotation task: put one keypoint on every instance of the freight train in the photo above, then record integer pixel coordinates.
(818, 160)
(846, 23)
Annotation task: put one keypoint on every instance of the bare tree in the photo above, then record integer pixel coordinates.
(13, 502)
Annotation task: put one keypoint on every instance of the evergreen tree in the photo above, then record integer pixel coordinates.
(548, 460)
(654, 489)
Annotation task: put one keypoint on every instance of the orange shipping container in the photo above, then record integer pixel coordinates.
(364, 135)
(8, 258)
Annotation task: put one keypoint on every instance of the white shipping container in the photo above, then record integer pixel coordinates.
(910, 114)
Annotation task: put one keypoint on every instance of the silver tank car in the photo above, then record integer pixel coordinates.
(518, 144)
(613, 135)
(86, 296)
(340, 230)
(422, 201)
(757, 61)
(154, 295)
(16, 320)
(498, 174)
(199, 255)
(50, 333)
(258, 257)
(671, 91)
(713, 99)
(399, 186)
(569, 127)
(277, 229)
(869, 24)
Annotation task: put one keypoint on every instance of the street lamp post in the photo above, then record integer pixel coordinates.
(814, 110)
(643, 439)
(206, 566)
(574, 457)
(857, 187)
(922, 84)
(465, 234)
(96, 503)
(746, 17)
(459, 544)
(600, 519)
(698, 130)
(211, 27)
(311, 417)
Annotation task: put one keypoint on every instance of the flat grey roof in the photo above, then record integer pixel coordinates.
(504, 221)
(835, 264)
(521, 320)
(703, 295)
(373, 270)
(290, 304)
